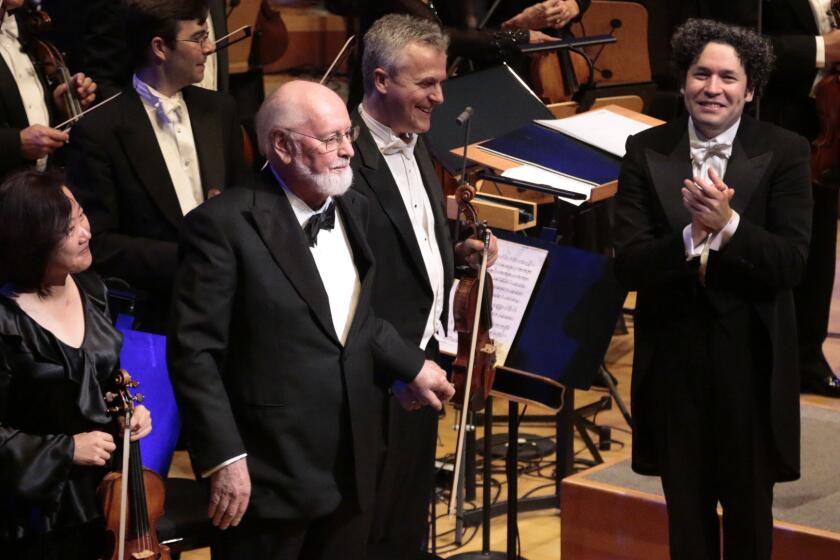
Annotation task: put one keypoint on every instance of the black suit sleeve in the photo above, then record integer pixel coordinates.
(205, 285)
(140, 261)
(771, 256)
(11, 157)
(647, 253)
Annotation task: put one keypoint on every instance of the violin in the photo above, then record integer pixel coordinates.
(473, 369)
(33, 22)
(825, 150)
(132, 498)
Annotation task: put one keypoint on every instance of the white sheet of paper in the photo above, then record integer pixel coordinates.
(514, 276)
(600, 128)
(549, 178)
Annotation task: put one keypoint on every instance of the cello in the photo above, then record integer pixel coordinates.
(132, 498)
(825, 149)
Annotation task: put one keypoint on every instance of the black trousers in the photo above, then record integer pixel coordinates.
(813, 296)
(406, 481)
(716, 445)
(340, 534)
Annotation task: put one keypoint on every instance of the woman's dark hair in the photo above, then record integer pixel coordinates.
(34, 219)
(754, 51)
(147, 19)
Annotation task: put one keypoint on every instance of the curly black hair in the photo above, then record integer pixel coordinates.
(754, 51)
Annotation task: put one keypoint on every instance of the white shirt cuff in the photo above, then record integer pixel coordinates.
(718, 240)
(220, 466)
(820, 51)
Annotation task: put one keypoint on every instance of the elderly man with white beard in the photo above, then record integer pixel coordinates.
(274, 349)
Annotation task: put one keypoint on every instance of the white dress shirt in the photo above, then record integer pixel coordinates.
(399, 155)
(701, 170)
(334, 259)
(23, 71)
(171, 123)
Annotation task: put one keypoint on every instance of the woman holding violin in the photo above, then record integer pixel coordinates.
(42, 92)
(58, 353)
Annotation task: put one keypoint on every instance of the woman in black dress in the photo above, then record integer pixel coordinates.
(58, 351)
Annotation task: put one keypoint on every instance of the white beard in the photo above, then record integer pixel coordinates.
(327, 184)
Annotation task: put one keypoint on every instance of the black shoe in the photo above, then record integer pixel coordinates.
(826, 385)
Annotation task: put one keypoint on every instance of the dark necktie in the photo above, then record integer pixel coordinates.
(319, 221)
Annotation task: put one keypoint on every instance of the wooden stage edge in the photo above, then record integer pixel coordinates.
(606, 522)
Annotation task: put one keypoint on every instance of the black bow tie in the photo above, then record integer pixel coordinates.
(319, 221)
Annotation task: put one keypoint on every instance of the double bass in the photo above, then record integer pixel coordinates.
(132, 498)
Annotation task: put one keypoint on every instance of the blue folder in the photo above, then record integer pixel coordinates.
(540, 146)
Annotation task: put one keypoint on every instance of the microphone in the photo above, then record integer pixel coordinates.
(464, 116)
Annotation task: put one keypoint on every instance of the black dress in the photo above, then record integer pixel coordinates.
(48, 392)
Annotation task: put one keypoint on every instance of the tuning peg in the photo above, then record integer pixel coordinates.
(138, 398)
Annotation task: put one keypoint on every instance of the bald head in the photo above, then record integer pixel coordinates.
(303, 129)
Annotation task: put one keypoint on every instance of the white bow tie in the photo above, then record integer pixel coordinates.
(168, 111)
(400, 146)
(701, 150)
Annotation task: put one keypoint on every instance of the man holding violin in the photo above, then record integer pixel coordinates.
(403, 67)
(31, 103)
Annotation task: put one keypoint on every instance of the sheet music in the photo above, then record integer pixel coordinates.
(600, 128)
(542, 176)
(515, 275)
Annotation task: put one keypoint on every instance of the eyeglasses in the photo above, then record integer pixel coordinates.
(333, 142)
(202, 41)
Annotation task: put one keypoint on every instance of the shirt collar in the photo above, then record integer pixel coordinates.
(154, 99)
(301, 209)
(383, 135)
(725, 137)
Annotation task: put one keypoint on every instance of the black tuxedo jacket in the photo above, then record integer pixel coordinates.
(402, 291)
(116, 169)
(758, 267)
(13, 119)
(256, 363)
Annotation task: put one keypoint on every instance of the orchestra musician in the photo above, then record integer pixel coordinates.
(404, 65)
(141, 162)
(277, 360)
(30, 106)
(58, 352)
(807, 47)
(713, 218)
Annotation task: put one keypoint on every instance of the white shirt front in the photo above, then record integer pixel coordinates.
(406, 173)
(700, 170)
(334, 260)
(23, 71)
(170, 121)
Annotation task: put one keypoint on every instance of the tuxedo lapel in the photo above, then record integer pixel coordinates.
(349, 206)
(668, 172)
(378, 176)
(278, 227)
(744, 174)
(143, 152)
(15, 112)
(432, 185)
(209, 141)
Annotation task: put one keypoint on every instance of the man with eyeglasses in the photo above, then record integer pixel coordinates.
(141, 162)
(403, 67)
(278, 362)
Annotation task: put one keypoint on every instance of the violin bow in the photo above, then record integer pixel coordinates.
(337, 59)
(462, 421)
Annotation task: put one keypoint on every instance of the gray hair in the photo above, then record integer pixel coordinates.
(275, 113)
(385, 42)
